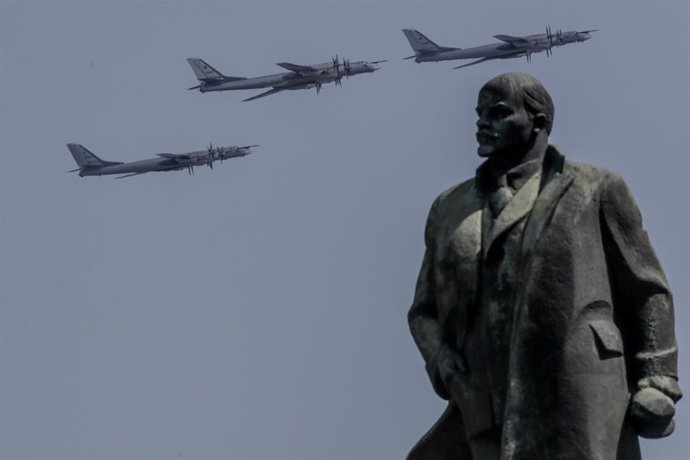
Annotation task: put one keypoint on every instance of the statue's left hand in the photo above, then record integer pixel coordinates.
(653, 406)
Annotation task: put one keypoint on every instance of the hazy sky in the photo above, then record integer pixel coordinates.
(258, 311)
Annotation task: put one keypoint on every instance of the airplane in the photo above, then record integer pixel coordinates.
(297, 77)
(509, 46)
(90, 165)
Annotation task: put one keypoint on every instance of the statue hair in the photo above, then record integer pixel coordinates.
(535, 98)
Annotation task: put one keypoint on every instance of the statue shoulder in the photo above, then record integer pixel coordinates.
(603, 184)
(593, 175)
(456, 192)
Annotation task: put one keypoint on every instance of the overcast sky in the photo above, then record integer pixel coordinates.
(258, 311)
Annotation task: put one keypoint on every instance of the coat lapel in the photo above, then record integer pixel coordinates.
(515, 210)
(543, 209)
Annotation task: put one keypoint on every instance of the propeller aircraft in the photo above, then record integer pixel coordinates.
(90, 165)
(508, 47)
(297, 77)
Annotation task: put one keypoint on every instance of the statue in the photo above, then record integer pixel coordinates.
(541, 310)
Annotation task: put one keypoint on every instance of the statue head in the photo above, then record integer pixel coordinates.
(515, 116)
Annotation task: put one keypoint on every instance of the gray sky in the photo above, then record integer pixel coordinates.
(259, 310)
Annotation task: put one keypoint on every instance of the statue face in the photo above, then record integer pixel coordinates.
(504, 127)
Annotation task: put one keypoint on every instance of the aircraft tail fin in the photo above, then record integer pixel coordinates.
(207, 74)
(86, 159)
(420, 43)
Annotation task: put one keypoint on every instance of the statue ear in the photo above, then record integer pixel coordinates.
(539, 122)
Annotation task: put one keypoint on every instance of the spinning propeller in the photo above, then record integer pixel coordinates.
(216, 154)
(337, 66)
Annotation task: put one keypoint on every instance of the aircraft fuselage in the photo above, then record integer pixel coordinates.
(164, 161)
(323, 73)
(141, 166)
(510, 47)
(494, 50)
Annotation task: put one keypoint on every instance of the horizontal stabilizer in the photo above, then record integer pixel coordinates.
(295, 67)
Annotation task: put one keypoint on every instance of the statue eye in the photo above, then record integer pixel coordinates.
(499, 111)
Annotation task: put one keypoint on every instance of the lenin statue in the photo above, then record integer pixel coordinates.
(541, 310)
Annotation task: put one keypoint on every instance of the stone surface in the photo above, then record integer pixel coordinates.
(540, 305)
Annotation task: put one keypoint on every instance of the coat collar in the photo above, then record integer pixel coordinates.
(489, 178)
(554, 183)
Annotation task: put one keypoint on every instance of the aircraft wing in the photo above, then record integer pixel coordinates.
(512, 40)
(517, 53)
(478, 61)
(264, 94)
(296, 68)
(130, 175)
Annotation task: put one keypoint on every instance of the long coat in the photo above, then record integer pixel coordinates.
(592, 315)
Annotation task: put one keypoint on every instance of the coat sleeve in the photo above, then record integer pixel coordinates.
(641, 293)
(422, 316)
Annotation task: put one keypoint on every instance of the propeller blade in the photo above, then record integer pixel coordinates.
(194, 87)
(386, 60)
(74, 170)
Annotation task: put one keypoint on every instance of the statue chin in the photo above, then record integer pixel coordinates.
(484, 151)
